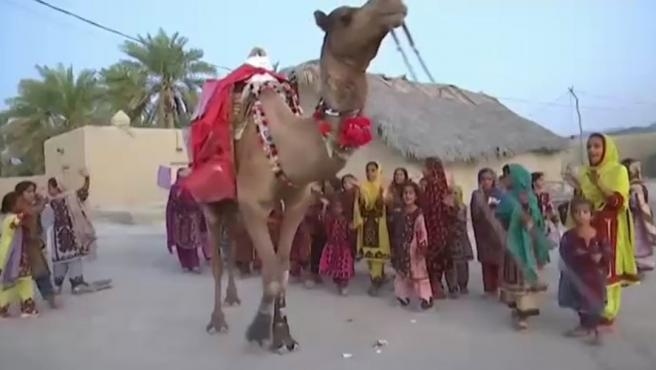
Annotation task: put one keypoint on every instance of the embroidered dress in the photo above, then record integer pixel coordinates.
(186, 228)
(337, 259)
(582, 285)
(439, 224)
(371, 221)
(461, 253)
(412, 278)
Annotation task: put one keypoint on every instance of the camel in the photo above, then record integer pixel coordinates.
(303, 154)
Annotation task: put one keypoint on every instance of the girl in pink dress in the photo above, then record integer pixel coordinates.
(412, 274)
(336, 258)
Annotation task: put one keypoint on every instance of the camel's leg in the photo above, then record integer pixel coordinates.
(229, 245)
(256, 214)
(295, 208)
(213, 218)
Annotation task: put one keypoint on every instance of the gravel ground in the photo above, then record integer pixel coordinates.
(154, 318)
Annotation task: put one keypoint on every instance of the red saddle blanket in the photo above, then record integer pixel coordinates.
(213, 175)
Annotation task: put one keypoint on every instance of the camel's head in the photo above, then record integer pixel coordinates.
(353, 35)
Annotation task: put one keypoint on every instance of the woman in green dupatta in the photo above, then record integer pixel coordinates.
(527, 247)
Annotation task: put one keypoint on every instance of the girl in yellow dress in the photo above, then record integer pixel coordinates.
(605, 183)
(15, 270)
(370, 221)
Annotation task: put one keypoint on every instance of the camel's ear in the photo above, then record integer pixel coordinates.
(321, 19)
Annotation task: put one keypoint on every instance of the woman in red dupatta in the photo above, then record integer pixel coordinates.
(439, 222)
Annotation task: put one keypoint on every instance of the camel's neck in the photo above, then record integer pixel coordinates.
(343, 84)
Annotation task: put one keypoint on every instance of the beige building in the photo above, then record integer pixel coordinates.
(122, 161)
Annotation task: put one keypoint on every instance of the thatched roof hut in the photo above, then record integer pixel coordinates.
(421, 120)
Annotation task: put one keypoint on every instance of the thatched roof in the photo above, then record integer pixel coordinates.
(423, 120)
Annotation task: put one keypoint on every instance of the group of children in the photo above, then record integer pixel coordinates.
(421, 228)
(334, 235)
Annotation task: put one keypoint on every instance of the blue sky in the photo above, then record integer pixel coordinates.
(525, 52)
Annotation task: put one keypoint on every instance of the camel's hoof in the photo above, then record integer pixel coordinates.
(217, 324)
(260, 329)
(282, 339)
(232, 299)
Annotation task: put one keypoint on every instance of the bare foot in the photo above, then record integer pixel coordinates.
(522, 325)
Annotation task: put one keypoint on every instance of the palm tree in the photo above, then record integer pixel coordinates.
(158, 85)
(57, 102)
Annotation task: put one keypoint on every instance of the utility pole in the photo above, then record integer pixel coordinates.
(578, 113)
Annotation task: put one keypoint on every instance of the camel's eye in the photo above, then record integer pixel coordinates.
(346, 18)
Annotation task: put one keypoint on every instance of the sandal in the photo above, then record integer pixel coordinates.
(403, 301)
(426, 304)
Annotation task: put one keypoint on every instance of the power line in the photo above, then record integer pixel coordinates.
(86, 20)
(100, 26)
(616, 98)
(535, 111)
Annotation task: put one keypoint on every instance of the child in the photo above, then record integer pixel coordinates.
(317, 230)
(585, 257)
(412, 274)
(300, 252)
(337, 257)
(457, 277)
(15, 274)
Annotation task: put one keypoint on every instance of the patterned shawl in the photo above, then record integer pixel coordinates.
(83, 229)
(438, 221)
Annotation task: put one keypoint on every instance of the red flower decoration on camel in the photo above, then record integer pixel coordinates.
(355, 132)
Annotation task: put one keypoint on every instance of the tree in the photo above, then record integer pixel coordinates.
(158, 85)
(57, 102)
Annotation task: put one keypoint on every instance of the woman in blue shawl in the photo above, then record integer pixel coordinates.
(527, 248)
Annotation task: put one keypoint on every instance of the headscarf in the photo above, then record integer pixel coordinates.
(370, 190)
(528, 249)
(611, 173)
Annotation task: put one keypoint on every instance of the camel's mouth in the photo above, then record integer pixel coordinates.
(394, 18)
